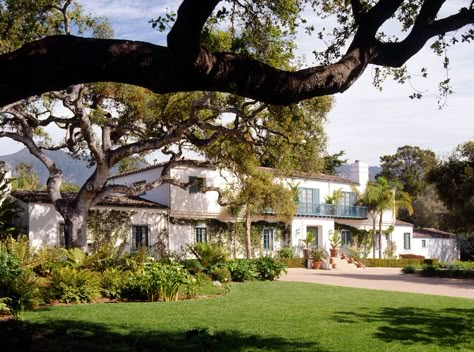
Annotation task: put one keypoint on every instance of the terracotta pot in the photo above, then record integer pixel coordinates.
(334, 252)
(331, 260)
(351, 260)
(359, 264)
(316, 265)
(343, 256)
(333, 265)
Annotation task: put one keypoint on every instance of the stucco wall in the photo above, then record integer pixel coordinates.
(198, 205)
(444, 249)
(44, 223)
(299, 227)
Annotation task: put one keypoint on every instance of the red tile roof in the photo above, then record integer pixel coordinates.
(116, 200)
(205, 164)
(431, 233)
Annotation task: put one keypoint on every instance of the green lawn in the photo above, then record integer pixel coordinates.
(265, 316)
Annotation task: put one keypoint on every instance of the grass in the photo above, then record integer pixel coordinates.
(264, 316)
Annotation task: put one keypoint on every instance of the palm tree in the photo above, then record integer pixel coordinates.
(371, 199)
(391, 198)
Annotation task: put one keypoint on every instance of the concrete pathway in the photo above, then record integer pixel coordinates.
(390, 279)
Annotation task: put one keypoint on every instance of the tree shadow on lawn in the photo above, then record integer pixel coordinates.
(453, 327)
(82, 336)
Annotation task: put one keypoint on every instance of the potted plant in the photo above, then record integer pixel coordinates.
(318, 254)
(333, 199)
(333, 265)
(335, 242)
(307, 243)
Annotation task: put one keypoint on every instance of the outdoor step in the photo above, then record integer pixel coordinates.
(343, 264)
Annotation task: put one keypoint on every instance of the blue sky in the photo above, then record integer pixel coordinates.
(365, 123)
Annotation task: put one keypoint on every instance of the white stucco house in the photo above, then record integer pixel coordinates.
(188, 215)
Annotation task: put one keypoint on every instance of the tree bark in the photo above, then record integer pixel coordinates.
(75, 221)
(55, 62)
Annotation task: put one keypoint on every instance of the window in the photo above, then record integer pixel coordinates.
(346, 237)
(201, 234)
(406, 241)
(62, 234)
(377, 241)
(308, 200)
(197, 186)
(268, 240)
(139, 183)
(423, 243)
(348, 199)
(139, 236)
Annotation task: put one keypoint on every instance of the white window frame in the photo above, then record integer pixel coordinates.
(268, 245)
(406, 240)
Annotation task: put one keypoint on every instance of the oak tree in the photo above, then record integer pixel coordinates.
(187, 63)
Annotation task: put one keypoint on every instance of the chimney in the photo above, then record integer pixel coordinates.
(360, 174)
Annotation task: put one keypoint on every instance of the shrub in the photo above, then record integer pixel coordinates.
(432, 262)
(4, 308)
(220, 274)
(209, 254)
(111, 283)
(293, 262)
(157, 281)
(411, 256)
(458, 265)
(75, 257)
(193, 266)
(392, 263)
(269, 268)
(429, 270)
(164, 280)
(242, 270)
(19, 284)
(48, 259)
(286, 253)
(191, 288)
(409, 269)
(135, 286)
(19, 248)
(71, 285)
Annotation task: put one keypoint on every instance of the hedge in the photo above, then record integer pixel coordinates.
(293, 262)
(398, 263)
(431, 271)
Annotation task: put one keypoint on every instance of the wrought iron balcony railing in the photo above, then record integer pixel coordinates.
(332, 210)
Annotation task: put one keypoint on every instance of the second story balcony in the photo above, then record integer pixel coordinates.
(332, 210)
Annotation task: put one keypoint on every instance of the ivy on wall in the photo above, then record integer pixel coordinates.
(221, 232)
(109, 226)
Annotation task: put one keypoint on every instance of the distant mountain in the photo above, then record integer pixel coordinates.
(75, 171)
(345, 171)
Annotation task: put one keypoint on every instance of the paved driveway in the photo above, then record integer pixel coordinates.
(390, 279)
